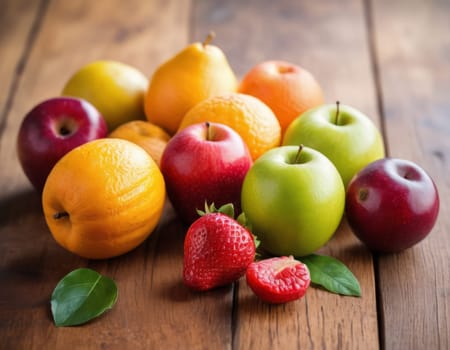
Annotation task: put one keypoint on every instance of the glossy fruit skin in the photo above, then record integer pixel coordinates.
(195, 73)
(199, 168)
(288, 89)
(391, 205)
(103, 198)
(217, 252)
(350, 143)
(116, 89)
(149, 136)
(278, 280)
(51, 129)
(294, 207)
(251, 118)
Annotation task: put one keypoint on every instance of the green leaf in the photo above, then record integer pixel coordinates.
(206, 209)
(226, 209)
(257, 241)
(244, 221)
(332, 275)
(80, 296)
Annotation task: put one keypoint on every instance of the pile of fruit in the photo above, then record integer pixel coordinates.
(107, 151)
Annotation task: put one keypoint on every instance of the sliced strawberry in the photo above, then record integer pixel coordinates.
(217, 251)
(278, 280)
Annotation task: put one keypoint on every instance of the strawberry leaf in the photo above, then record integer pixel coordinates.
(207, 209)
(226, 209)
(257, 241)
(332, 275)
(244, 221)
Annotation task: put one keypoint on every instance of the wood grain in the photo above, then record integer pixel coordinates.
(21, 224)
(152, 308)
(413, 57)
(283, 30)
(18, 19)
(322, 37)
(389, 59)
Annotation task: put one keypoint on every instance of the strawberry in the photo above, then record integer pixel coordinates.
(278, 280)
(217, 251)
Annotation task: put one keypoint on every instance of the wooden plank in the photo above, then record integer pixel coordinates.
(412, 44)
(153, 308)
(18, 20)
(20, 215)
(329, 39)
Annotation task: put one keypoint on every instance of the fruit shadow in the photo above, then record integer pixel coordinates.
(168, 264)
(24, 236)
(19, 206)
(29, 274)
(177, 291)
(32, 262)
(248, 306)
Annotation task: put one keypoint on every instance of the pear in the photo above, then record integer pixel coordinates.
(116, 89)
(199, 71)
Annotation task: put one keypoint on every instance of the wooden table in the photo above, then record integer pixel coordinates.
(390, 59)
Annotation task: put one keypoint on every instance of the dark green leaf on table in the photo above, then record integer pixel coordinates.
(332, 275)
(82, 295)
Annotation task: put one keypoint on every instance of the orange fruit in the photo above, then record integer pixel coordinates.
(286, 88)
(247, 115)
(103, 198)
(150, 137)
(199, 71)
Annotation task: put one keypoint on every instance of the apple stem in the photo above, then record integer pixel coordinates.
(297, 156)
(336, 118)
(209, 38)
(363, 194)
(209, 135)
(60, 215)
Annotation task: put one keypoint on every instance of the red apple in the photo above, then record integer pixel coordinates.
(51, 129)
(204, 162)
(391, 205)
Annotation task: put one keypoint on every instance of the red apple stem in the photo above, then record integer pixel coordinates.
(209, 135)
(336, 118)
(60, 215)
(363, 194)
(209, 38)
(297, 156)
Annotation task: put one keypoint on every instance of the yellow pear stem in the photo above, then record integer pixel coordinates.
(209, 38)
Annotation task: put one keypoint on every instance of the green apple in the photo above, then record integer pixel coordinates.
(294, 200)
(342, 133)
